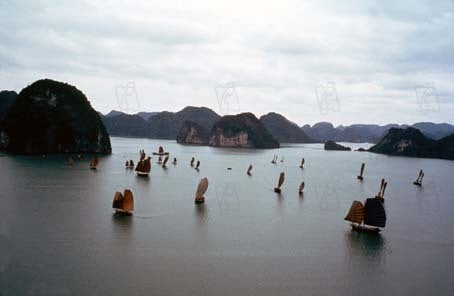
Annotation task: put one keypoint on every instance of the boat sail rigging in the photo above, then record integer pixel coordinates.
(123, 203)
(369, 217)
(143, 167)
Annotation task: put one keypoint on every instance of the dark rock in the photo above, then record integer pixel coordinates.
(193, 133)
(330, 145)
(284, 130)
(6, 101)
(412, 142)
(53, 117)
(242, 130)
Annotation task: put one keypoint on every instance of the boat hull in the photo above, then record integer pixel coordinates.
(122, 212)
(142, 174)
(360, 178)
(199, 200)
(362, 228)
(417, 183)
(277, 190)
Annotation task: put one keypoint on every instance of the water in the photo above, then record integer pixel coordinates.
(58, 235)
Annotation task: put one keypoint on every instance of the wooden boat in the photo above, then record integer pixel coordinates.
(282, 159)
(302, 163)
(381, 194)
(174, 160)
(161, 152)
(123, 203)
(164, 163)
(143, 167)
(130, 165)
(301, 188)
(249, 170)
(279, 183)
(197, 165)
(70, 161)
(201, 189)
(360, 176)
(368, 218)
(274, 159)
(142, 154)
(94, 163)
(192, 161)
(418, 181)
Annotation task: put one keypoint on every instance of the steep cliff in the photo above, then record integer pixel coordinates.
(53, 117)
(193, 133)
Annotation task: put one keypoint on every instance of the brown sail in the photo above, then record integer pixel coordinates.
(249, 169)
(128, 201)
(166, 159)
(356, 212)
(118, 201)
(301, 188)
(201, 189)
(147, 165)
(281, 180)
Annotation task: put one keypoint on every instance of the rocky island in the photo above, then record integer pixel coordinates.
(284, 130)
(331, 145)
(412, 142)
(243, 130)
(53, 117)
(193, 133)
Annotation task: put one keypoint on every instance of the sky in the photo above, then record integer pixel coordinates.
(339, 61)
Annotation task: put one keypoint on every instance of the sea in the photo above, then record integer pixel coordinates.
(59, 234)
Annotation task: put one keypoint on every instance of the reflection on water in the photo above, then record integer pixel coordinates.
(201, 213)
(122, 225)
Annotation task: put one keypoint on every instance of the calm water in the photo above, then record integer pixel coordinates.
(58, 235)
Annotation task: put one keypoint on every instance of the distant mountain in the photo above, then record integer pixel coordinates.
(242, 130)
(412, 142)
(161, 125)
(372, 133)
(53, 117)
(284, 130)
(6, 101)
(113, 113)
(146, 115)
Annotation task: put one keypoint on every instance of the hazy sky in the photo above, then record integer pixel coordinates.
(339, 61)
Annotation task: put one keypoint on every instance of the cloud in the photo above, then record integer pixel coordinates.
(176, 52)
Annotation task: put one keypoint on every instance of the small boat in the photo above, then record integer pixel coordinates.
(164, 163)
(368, 218)
(360, 176)
(94, 163)
(301, 188)
(274, 159)
(70, 161)
(161, 152)
(381, 194)
(201, 189)
(418, 181)
(192, 161)
(302, 163)
(174, 160)
(249, 170)
(143, 167)
(197, 165)
(123, 203)
(142, 154)
(282, 159)
(130, 164)
(279, 183)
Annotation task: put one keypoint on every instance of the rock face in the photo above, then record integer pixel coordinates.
(6, 101)
(53, 117)
(284, 130)
(330, 145)
(242, 130)
(193, 133)
(412, 142)
(125, 125)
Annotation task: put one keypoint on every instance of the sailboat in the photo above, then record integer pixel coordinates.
(302, 163)
(418, 181)
(123, 203)
(143, 167)
(174, 160)
(197, 165)
(201, 189)
(381, 194)
(301, 188)
(94, 163)
(142, 154)
(279, 183)
(360, 176)
(274, 159)
(130, 164)
(192, 161)
(249, 170)
(368, 218)
(166, 159)
(161, 152)
(282, 159)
